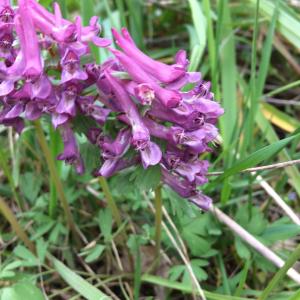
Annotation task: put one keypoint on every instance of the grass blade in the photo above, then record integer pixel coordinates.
(288, 25)
(184, 287)
(228, 81)
(199, 22)
(281, 273)
(80, 285)
(266, 53)
(272, 137)
(257, 157)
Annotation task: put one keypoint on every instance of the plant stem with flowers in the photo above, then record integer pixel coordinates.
(156, 121)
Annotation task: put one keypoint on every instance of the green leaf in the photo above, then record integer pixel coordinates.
(257, 157)
(105, 223)
(91, 156)
(82, 124)
(288, 25)
(197, 244)
(95, 253)
(185, 288)
(30, 185)
(199, 22)
(272, 137)
(83, 287)
(148, 179)
(266, 53)
(229, 79)
(26, 255)
(195, 58)
(281, 232)
(175, 272)
(296, 296)
(241, 249)
(22, 291)
(280, 274)
(41, 248)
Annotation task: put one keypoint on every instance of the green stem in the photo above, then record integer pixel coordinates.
(110, 201)
(56, 180)
(158, 221)
(10, 217)
(121, 9)
(54, 148)
(6, 171)
(116, 215)
(280, 273)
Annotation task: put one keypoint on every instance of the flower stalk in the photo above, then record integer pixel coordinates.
(253, 242)
(110, 201)
(56, 180)
(10, 217)
(158, 222)
(7, 173)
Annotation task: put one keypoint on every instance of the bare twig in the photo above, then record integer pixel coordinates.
(183, 257)
(253, 242)
(283, 101)
(262, 168)
(272, 193)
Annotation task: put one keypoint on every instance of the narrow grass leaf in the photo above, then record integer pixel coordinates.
(266, 53)
(288, 25)
(257, 157)
(199, 22)
(271, 137)
(228, 82)
(280, 274)
(212, 46)
(185, 288)
(83, 287)
(279, 118)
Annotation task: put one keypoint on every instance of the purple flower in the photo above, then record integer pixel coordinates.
(143, 92)
(150, 152)
(90, 34)
(152, 100)
(67, 102)
(181, 186)
(89, 108)
(186, 190)
(118, 147)
(196, 140)
(201, 200)
(71, 153)
(189, 115)
(52, 25)
(6, 12)
(110, 167)
(29, 43)
(161, 71)
(96, 136)
(194, 171)
(6, 41)
(169, 98)
(71, 70)
(17, 123)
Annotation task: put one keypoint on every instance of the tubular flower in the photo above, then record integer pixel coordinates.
(158, 114)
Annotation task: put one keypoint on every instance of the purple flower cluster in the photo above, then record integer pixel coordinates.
(162, 121)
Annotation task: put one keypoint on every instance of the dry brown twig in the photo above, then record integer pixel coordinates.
(262, 168)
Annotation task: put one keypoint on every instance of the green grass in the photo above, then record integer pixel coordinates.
(111, 251)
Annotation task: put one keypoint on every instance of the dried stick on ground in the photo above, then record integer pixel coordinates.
(253, 242)
(280, 202)
(262, 168)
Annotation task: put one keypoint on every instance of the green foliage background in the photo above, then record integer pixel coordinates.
(250, 51)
